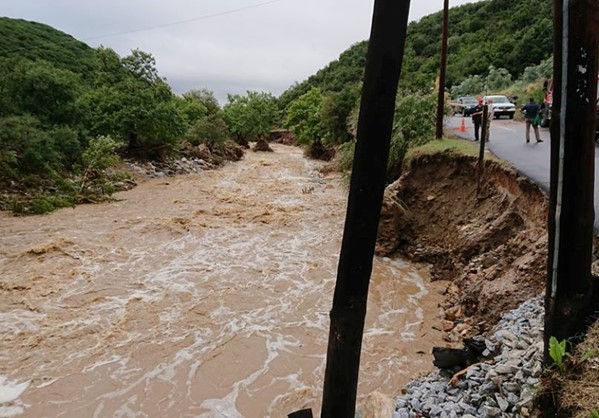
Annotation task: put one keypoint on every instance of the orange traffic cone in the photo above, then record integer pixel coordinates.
(462, 126)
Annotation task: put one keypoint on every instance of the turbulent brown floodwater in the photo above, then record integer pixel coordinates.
(204, 295)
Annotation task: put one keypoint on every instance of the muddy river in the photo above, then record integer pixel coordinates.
(204, 295)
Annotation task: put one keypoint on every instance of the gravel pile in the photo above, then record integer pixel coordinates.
(502, 386)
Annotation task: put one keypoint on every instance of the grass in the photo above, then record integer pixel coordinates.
(446, 145)
(451, 145)
(580, 385)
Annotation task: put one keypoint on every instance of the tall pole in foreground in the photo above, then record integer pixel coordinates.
(377, 106)
(442, 71)
(571, 292)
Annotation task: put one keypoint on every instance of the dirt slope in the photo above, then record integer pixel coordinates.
(492, 246)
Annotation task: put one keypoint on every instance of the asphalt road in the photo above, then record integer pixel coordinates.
(507, 141)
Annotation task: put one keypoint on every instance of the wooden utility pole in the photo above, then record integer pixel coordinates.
(481, 151)
(377, 106)
(442, 71)
(570, 294)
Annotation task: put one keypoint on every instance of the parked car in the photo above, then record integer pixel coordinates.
(500, 106)
(465, 105)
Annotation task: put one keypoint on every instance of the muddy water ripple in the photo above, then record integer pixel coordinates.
(205, 295)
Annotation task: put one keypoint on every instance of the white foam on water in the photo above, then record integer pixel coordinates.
(10, 391)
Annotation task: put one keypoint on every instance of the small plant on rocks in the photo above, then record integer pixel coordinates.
(557, 352)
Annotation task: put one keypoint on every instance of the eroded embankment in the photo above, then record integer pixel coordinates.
(491, 245)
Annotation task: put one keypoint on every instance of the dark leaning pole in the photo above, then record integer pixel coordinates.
(571, 293)
(442, 72)
(383, 66)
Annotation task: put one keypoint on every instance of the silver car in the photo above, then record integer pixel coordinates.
(500, 106)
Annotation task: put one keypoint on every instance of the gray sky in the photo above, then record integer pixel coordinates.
(227, 46)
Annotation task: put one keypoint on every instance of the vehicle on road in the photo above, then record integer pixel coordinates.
(500, 106)
(464, 105)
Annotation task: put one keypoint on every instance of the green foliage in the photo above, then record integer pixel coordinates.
(497, 79)
(532, 73)
(210, 130)
(35, 41)
(589, 354)
(335, 110)
(56, 93)
(37, 205)
(144, 115)
(594, 414)
(346, 71)
(206, 98)
(28, 149)
(473, 85)
(191, 109)
(250, 116)
(101, 153)
(346, 156)
(304, 117)
(109, 68)
(413, 126)
(141, 65)
(557, 352)
(38, 88)
(505, 34)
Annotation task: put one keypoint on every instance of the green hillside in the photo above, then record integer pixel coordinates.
(510, 34)
(36, 41)
(68, 112)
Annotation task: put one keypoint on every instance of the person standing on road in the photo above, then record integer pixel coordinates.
(531, 110)
(477, 118)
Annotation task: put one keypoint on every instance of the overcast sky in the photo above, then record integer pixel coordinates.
(227, 46)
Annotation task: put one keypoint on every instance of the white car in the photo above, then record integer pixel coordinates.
(500, 106)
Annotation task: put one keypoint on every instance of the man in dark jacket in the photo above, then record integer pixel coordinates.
(531, 109)
(477, 118)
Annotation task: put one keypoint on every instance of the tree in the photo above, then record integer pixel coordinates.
(109, 68)
(142, 65)
(304, 117)
(335, 111)
(210, 130)
(498, 79)
(206, 98)
(99, 155)
(40, 89)
(145, 116)
(251, 116)
(27, 148)
(191, 109)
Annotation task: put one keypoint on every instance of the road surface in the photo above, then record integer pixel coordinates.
(507, 141)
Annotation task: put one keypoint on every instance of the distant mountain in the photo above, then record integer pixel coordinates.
(510, 34)
(36, 41)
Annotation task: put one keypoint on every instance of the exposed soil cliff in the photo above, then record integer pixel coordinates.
(492, 246)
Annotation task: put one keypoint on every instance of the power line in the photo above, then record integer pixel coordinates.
(180, 22)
